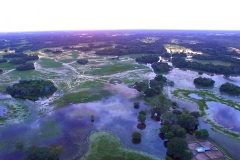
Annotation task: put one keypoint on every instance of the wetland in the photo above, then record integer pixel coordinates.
(103, 89)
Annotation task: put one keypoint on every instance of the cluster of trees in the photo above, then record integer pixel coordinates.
(161, 67)
(230, 88)
(156, 86)
(82, 61)
(17, 61)
(41, 153)
(204, 82)
(218, 69)
(223, 58)
(147, 59)
(1, 70)
(210, 47)
(23, 56)
(24, 67)
(31, 89)
(174, 129)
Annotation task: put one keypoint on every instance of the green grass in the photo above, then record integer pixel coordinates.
(91, 84)
(81, 97)
(221, 148)
(49, 63)
(106, 146)
(113, 68)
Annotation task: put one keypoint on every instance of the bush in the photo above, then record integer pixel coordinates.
(201, 134)
(136, 135)
(169, 135)
(82, 61)
(230, 88)
(178, 148)
(164, 129)
(204, 82)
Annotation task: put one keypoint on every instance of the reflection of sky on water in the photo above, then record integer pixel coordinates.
(225, 115)
(195, 96)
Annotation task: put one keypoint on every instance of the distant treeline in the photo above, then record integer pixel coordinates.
(217, 57)
(218, 69)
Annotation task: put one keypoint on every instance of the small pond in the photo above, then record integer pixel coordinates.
(195, 96)
(225, 115)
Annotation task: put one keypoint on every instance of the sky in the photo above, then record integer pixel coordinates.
(50, 15)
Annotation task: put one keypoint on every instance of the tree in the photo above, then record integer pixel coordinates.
(195, 114)
(178, 148)
(187, 121)
(149, 92)
(141, 118)
(181, 133)
(201, 134)
(164, 129)
(136, 135)
(169, 118)
(205, 134)
(169, 135)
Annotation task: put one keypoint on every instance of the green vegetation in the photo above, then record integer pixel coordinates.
(105, 145)
(230, 88)
(136, 135)
(49, 63)
(24, 67)
(178, 148)
(203, 134)
(204, 82)
(218, 69)
(41, 153)
(81, 97)
(161, 67)
(82, 61)
(202, 105)
(31, 89)
(147, 59)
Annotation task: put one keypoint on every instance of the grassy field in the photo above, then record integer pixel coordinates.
(107, 146)
(81, 97)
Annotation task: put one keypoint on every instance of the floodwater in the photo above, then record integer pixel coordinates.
(225, 115)
(195, 96)
(71, 126)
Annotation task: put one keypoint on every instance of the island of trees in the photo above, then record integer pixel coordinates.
(31, 89)
(82, 61)
(230, 88)
(204, 82)
(147, 59)
(24, 67)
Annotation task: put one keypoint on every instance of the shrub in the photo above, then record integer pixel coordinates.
(136, 135)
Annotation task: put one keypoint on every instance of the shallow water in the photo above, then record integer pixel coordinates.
(71, 126)
(225, 115)
(195, 96)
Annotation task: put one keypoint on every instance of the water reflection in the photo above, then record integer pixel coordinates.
(195, 96)
(225, 115)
